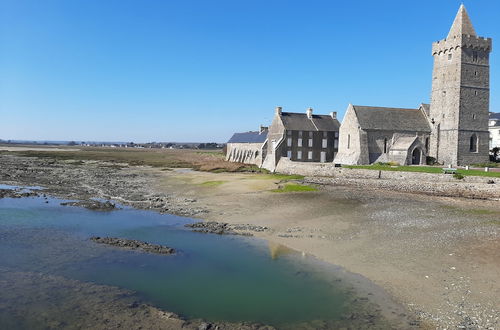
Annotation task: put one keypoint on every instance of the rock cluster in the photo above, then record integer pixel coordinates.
(11, 193)
(133, 245)
(222, 228)
(92, 205)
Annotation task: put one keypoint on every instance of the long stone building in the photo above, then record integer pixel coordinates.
(452, 130)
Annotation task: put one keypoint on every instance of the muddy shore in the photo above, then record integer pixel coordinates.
(438, 256)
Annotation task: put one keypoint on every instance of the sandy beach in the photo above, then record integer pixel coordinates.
(438, 256)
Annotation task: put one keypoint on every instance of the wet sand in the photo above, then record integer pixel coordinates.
(438, 256)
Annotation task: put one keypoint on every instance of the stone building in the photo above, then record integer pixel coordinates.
(494, 128)
(374, 134)
(460, 95)
(453, 130)
(301, 137)
(247, 147)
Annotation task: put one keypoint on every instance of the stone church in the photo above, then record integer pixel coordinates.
(452, 130)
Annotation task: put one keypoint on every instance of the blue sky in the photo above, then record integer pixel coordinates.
(186, 70)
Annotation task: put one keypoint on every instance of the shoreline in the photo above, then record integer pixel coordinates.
(296, 221)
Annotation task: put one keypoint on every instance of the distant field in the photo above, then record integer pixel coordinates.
(212, 160)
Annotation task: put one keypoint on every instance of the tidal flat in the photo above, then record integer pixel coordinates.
(436, 256)
(53, 276)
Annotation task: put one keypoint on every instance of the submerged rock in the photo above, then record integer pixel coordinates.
(133, 245)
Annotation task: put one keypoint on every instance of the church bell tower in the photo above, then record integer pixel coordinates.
(460, 95)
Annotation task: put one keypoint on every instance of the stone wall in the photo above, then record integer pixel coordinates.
(247, 153)
(285, 166)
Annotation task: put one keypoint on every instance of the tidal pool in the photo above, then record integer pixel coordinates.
(216, 278)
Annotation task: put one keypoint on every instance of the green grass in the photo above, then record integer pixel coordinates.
(212, 183)
(282, 177)
(422, 169)
(292, 187)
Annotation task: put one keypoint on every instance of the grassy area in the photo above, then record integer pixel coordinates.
(422, 169)
(292, 187)
(212, 161)
(212, 183)
(281, 177)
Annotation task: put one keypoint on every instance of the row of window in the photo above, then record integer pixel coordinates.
(309, 155)
(324, 143)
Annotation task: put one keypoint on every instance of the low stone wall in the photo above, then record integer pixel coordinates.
(286, 166)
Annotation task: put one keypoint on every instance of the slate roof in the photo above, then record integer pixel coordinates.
(248, 137)
(426, 107)
(391, 119)
(495, 115)
(299, 122)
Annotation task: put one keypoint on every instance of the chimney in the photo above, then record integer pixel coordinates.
(333, 114)
(278, 110)
(309, 113)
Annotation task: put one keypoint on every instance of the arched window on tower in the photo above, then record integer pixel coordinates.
(385, 145)
(473, 143)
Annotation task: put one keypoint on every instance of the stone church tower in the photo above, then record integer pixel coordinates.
(460, 95)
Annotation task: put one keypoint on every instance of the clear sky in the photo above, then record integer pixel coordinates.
(186, 70)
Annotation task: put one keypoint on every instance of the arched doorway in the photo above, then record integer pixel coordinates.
(416, 156)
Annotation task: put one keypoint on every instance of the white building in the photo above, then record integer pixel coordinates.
(494, 128)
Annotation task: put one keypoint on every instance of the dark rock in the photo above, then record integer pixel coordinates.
(133, 245)
(92, 205)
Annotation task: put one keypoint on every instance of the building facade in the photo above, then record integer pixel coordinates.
(302, 137)
(460, 95)
(373, 134)
(247, 147)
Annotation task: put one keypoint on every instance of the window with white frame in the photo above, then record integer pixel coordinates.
(299, 154)
(289, 142)
(324, 143)
(309, 155)
(299, 142)
(336, 143)
(289, 154)
(310, 143)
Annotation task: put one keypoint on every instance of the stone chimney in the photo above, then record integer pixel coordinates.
(278, 110)
(309, 113)
(333, 114)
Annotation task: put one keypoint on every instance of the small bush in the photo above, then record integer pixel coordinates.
(430, 160)
(458, 176)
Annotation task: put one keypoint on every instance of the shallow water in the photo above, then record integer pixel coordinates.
(217, 278)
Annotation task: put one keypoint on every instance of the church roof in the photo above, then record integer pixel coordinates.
(462, 24)
(249, 137)
(299, 122)
(391, 119)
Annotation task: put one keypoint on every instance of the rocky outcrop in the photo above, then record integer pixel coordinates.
(92, 205)
(222, 228)
(133, 245)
